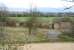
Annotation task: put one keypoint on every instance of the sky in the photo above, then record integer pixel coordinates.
(27, 4)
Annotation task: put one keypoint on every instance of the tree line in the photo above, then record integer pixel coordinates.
(4, 11)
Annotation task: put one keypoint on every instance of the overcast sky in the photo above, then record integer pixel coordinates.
(35, 3)
(27, 4)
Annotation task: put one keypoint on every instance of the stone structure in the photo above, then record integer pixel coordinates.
(59, 26)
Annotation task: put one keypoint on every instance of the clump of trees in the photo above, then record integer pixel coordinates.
(41, 14)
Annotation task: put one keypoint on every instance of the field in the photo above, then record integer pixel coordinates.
(39, 18)
(19, 35)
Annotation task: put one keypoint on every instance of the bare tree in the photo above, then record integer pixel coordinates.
(3, 10)
(71, 1)
(3, 18)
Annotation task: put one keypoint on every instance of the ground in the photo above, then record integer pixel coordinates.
(49, 46)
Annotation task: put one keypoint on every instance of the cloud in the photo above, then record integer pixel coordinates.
(36, 3)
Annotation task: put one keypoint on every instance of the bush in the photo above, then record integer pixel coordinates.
(67, 37)
(39, 37)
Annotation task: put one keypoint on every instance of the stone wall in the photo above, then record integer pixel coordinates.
(63, 26)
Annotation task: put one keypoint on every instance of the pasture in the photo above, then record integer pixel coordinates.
(20, 35)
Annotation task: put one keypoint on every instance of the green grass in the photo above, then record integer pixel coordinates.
(42, 19)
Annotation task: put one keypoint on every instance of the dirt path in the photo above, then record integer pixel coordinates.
(49, 46)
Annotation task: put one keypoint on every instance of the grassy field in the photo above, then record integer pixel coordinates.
(21, 34)
(40, 19)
